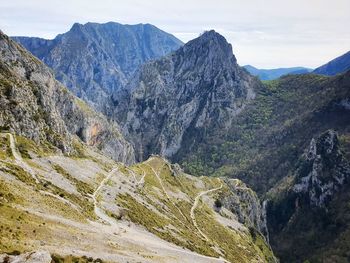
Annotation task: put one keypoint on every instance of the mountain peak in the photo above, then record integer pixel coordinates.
(211, 34)
(212, 46)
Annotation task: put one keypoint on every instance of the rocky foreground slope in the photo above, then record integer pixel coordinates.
(95, 60)
(64, 199)
(92, 207)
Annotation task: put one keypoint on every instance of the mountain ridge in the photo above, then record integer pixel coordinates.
(271, 74)
(336, 66)
(95, 60)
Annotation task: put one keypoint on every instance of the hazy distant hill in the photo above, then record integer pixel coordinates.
(270, 74)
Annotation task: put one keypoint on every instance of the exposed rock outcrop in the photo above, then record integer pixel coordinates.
(29, 257)
(171, 102)
(246, 205)
(308, 215)
(35, 105)
(324, 170)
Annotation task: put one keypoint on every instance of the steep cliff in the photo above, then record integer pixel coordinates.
(172, 102)
(95, 60)
(35, 105)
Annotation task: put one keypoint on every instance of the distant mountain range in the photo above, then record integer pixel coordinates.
(95, 60)
(270, 74)
(336, 66)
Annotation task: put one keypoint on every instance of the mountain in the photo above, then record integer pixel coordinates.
(271, 74)
(35, 105)
(95, 60)
(172, 102)
(336, 66)
(62, 199)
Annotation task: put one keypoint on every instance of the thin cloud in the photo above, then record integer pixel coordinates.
(269, 33)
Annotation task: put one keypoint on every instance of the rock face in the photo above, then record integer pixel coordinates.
(30, 257)
(171, 102)
(35, 105)
(324, 170)
(310, 215)
(246, 205)
(96, 60)
(336, 66)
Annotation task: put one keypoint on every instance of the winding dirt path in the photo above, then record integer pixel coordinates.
(98, 211)
(19, 160)
(195, 204)
(142, 180)
(136, 236)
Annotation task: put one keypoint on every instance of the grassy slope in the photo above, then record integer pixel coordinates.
(22, 228)
(175, 226)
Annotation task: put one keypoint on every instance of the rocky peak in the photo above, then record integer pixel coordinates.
(96, 60)
(323, 171)
(211, 44)
(210, 53)
(173, 99)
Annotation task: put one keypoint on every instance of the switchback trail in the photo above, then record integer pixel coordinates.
(195, 204)
(98, 211)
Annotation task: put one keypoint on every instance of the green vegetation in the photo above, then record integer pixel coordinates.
(5, 150)
(265, 141)
(19, 173)
(230, 241)
(74, 259)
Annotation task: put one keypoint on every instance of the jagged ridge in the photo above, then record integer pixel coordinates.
(171, 102)
(95, 60)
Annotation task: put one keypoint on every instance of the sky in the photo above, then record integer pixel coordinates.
(263, 33)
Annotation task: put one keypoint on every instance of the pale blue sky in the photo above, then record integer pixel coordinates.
(264, 33)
